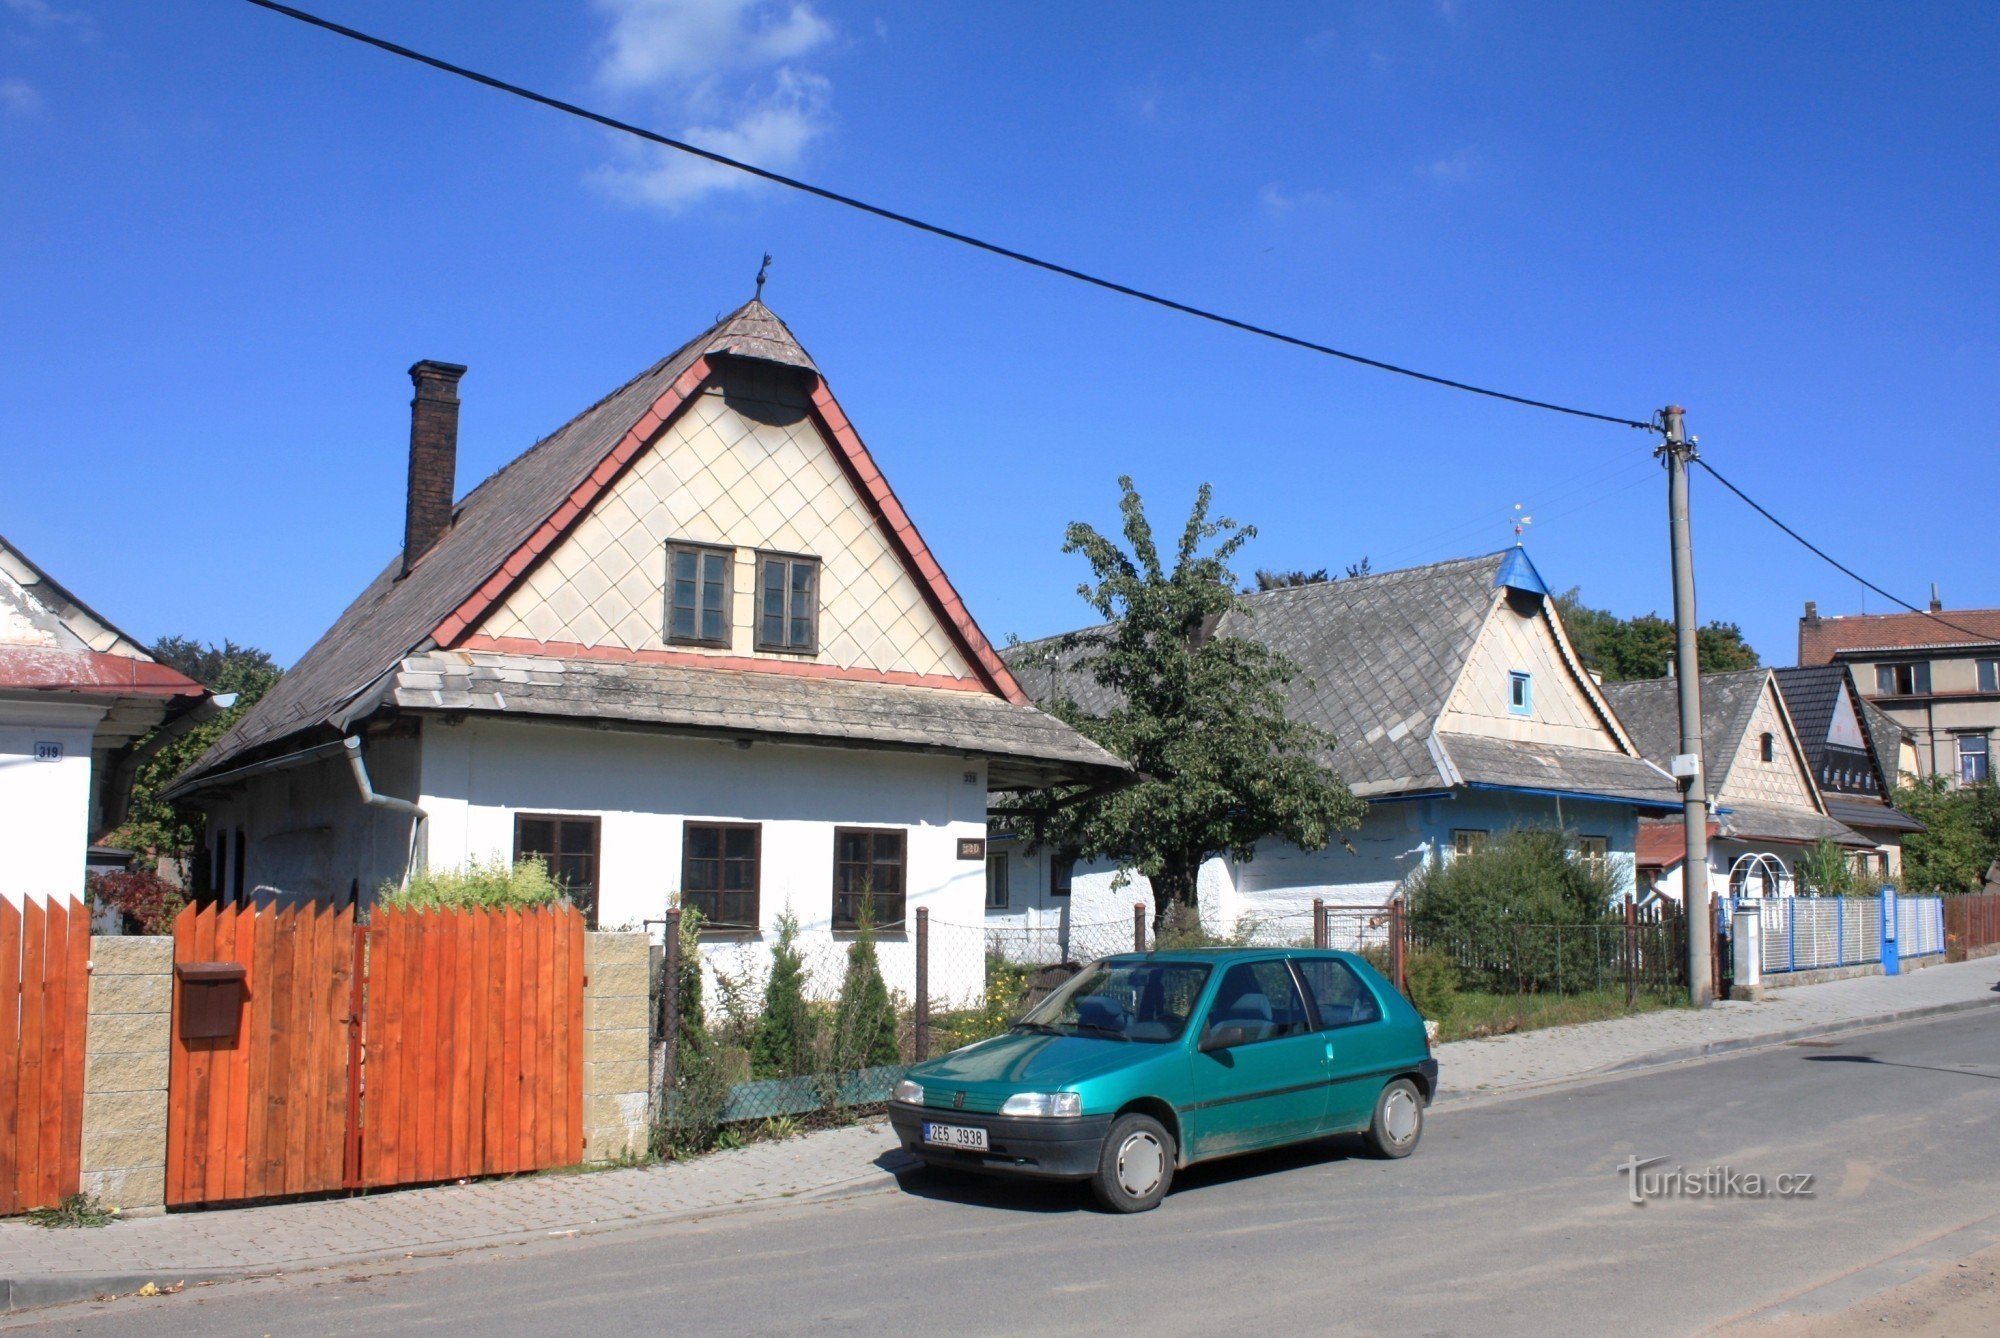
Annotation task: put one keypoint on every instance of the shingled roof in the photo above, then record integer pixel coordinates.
(503, 525)
(1812, 692)
(1378, 657)
(1822, 639)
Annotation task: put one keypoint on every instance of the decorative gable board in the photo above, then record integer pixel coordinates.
(748, 474)
(37, 613)
(1783, 780)
(1513, 641)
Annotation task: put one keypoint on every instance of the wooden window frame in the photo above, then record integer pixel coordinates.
(675, 547)
(1986, 675)
(1767, 747)
(1889, 679)
(1062, 875)
(1468, 847)
(756, 892)
(901, 896)
(1517, 678)
(596, 825)
(1600, 858)
(791, 560)
(996, 862)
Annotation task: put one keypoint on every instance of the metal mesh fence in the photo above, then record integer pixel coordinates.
(1645, 956)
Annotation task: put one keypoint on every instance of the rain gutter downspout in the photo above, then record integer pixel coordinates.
(419, 827)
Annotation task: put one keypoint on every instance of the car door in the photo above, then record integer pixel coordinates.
(1355, 1041)
(1269, 1089)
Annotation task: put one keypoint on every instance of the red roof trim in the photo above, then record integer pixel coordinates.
(570, 650)
(861, 468)
(937, 587)
(92, 672)
(663, 411)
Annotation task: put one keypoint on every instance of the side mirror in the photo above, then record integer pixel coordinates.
(1224, 1036)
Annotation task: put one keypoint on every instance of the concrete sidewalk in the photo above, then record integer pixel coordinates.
(40, 1267)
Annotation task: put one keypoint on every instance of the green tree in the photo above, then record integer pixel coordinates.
(1643, 647)
(1200, 717)
(1825, 870)
(1512, 907)
(1961, 836)
(1286, 580)
(865, 1017)
(782, 1045)
(152, 824)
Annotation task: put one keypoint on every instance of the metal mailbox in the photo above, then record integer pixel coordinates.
(211, 999)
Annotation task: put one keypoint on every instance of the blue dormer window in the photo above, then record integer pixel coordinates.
(1520, 694)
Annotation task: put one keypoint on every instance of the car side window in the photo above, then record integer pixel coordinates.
(1261, 997)
(1338, 995)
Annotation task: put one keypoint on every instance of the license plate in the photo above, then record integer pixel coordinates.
(955, 1136)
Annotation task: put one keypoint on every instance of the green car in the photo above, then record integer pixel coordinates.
(1147, 1062)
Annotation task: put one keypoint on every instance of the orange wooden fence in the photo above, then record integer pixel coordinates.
(474, 1044)
(44, 1002)
(264, 1112)
(1971, 924)
(457, 1052)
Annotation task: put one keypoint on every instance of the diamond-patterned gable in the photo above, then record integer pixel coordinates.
(719, 475)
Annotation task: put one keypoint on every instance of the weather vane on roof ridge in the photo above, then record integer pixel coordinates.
(763, 272)
(1521, 523)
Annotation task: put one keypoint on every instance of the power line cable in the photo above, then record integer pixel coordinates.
(936, 230)
(1832, 561)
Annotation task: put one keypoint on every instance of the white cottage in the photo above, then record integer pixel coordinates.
(1459, 710)
(82, 706)
(688, 648)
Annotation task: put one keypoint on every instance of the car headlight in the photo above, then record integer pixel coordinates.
(910, 1093)
(1044, 1104)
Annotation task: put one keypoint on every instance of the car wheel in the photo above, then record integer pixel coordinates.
(1136, 1165)
(1398, 1122)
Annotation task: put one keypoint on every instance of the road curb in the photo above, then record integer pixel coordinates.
(33, 1293)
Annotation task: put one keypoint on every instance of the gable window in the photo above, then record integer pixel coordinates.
(787, 603)
(719, 872)
(1520, 694)
(1903, 680)
(698, 594)
(867, 876)
(996, 882)
(568, 845)
(1466, 840)
(1062, 869)
(1594, 852)
(1767, 747)
(1972, 759)
(1989, 675)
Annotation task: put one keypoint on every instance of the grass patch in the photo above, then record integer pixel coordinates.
(78, 1210)
(1476, 1013)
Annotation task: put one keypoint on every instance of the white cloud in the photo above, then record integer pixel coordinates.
(774, 133)
(1281, 201)
(1451, 169)
(731, 73)
(43, 15)
(19, 97)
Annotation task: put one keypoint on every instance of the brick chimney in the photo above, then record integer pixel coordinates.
(433, 457)
(1937, 605)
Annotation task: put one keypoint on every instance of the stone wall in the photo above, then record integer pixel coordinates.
(125, 1070)
(616, 1054)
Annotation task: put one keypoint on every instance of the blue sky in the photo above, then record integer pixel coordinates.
(227, 236)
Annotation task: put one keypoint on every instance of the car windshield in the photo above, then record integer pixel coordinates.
(1129, 1001)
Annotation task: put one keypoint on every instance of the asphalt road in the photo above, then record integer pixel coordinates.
(1513, 1217)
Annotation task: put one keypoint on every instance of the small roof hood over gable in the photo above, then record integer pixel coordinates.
(1379, 657)
(503, 526)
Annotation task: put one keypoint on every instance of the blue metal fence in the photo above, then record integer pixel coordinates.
(1814, 933)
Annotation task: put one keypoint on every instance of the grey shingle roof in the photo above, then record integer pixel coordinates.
(1770, 822)
(342, 677)
(1811, 694)
(1378, 656)
(1651, 712)
(1025, 746)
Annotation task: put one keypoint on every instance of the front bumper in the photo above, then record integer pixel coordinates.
(1049, 1149)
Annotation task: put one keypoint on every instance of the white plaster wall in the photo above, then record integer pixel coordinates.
(44, 806)
(477, 775)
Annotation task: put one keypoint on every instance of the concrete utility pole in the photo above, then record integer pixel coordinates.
(1677, 450)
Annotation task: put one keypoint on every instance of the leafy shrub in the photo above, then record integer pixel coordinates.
(76, 1210)
(782, 1045)
(1430, 979)
(1181, 927)
(482, 883)
(687, 1119)
(1825, 871)
(1509, 910)
(147, 901)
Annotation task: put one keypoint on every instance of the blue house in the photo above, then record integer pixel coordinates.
(1459, 710)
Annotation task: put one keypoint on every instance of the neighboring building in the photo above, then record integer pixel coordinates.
(1936, 674)
(1765, 808)
(688, 647)
(81, 706)
(1460, 710)
(1854, 754)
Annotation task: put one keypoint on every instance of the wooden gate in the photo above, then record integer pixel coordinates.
(423, 1046)
(44, 998)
